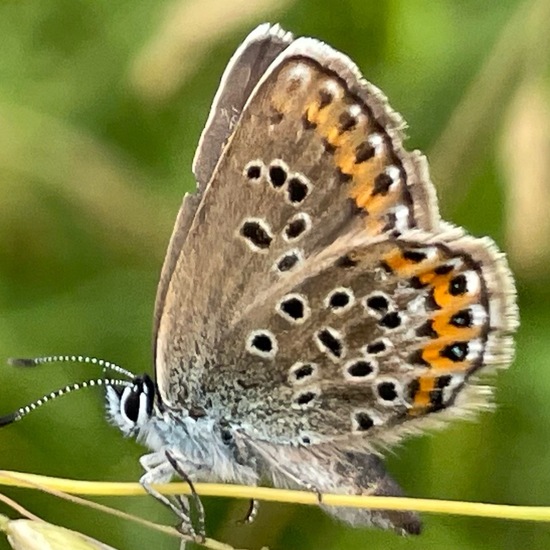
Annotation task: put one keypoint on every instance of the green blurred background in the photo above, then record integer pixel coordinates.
(101, 106)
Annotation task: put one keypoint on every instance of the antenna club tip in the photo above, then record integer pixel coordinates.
(8, 419)
(21, 362)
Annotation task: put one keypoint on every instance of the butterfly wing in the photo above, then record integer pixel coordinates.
(243, 71)
(316, 302)
(372, 340)
(380, 340)
(315, 154)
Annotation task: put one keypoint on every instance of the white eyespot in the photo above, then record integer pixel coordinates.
(377, 303)
(364, 419)
(352, 118)
(360, 369)
(331, 343)
(395, 174)
(262, 343)
(254, 171)
(302, 373)
(332, 88)
(300, 73)
(388, 391)
(457, 263)
(451, 384)
(294, 308)
(475, 349)
(392, 321)
(401, 213)
(378, 348)
(431, 252)
(298, 188)
(354, 110)
(467, 282)
(419, 255)
(479, 314)
(340, 300)
(288, 261)
(455, 380)
(472, 282)
(277, 174)
(297, 227)
(376, 141)
(305, 398)
(256, 233)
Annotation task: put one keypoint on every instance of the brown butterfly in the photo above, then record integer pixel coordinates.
(313, 309)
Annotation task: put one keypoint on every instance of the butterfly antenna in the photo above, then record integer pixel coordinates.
(35, 361)
(24, 411)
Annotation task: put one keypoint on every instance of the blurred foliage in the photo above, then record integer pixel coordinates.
(95, 154)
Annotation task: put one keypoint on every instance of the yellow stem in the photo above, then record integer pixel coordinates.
(526, 513)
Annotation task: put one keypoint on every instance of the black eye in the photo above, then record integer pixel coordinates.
(138, 399)
(131, 405)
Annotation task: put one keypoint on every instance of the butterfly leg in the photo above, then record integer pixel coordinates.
(176, 465)
(252, 513)
(160, 467)
(181, 511)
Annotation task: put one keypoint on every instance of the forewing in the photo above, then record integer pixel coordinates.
(316, 154)
(243, 72)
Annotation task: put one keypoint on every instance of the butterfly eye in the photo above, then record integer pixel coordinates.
(136, 403)
(130, 403)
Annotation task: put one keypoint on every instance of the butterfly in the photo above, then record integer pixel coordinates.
(313, 309)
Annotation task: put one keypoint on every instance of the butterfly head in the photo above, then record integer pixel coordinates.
(131, 401)
(130, 407)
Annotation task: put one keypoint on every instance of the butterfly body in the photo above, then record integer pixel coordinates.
(313, 309)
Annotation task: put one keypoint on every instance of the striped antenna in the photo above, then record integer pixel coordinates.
(24, 411)
(35, 361)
